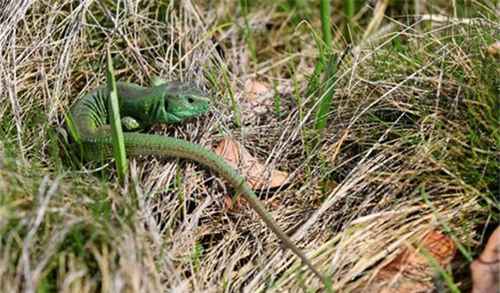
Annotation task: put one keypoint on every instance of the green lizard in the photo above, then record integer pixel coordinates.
(162, 103)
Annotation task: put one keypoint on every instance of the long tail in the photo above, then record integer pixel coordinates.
(161, 146)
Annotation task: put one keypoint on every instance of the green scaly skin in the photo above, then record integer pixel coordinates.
(162, 103)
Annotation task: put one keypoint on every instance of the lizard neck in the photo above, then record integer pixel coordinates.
(146, 105)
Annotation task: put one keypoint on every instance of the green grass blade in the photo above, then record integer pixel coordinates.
(447, 277)
(73, 132)
(247, 31)
(116, 126)
(325, 24)
(234, 102)
(314, 80)
(328, 90)
(446, 227)
(277, 100)
(349, 10)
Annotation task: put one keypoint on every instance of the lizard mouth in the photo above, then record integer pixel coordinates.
(182, 116)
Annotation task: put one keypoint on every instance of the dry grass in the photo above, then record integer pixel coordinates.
(410, 147)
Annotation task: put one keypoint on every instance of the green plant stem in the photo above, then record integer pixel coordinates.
(116, 126)
(325, 24)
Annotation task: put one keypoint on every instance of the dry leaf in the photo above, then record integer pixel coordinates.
(228, 203)
(235, 204)
(257, 175)
(257, 99)
(411, 270)
(494, 49)
(255, 88)
(486, 269)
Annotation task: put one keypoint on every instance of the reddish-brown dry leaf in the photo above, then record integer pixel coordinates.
(411, 270)
(228, 203)
(257, 175)
(486, 269)
(235, 204)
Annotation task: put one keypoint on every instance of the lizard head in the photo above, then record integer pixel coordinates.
(169, 102)
(182, 101)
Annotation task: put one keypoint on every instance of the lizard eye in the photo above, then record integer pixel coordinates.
(190, 100)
